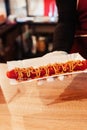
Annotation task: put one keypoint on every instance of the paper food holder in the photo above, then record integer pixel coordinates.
(24, 98)
(10, 91)
(29, 97)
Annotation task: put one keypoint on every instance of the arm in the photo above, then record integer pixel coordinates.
(64, 32)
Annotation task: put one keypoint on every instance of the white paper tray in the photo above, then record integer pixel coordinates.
(54, 57)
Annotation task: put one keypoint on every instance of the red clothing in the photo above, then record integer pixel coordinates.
(80, 44)
(82, 14)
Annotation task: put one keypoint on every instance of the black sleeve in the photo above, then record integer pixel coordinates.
(65, 29)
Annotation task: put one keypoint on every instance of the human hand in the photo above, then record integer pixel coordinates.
(52, 79)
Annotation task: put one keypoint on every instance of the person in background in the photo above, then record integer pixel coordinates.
(71, 31)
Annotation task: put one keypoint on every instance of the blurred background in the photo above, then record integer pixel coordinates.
(26, 28)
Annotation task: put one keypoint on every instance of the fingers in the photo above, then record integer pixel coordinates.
(42, 81)
(52, 79)
(61, 77)
(68, 76)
